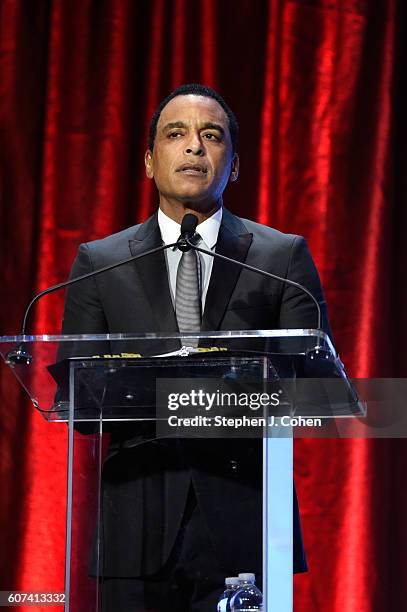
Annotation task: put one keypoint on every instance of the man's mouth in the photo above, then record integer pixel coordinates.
(193, 169)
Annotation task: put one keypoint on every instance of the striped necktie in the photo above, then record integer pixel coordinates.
(188, 293)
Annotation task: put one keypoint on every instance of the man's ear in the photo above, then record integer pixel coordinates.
(148, 161)
(234, 173)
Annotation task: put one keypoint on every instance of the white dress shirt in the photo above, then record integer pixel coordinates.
(170, 232)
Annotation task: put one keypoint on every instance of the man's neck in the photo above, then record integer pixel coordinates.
(178, 210)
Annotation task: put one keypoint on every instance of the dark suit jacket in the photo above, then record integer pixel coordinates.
(145, 487)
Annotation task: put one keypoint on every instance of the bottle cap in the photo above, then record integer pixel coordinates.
(232, 580)
(247, 577)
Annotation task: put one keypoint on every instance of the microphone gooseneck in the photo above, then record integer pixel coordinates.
(19, 355)
(188, 227)
(262, 273)
(189, 224)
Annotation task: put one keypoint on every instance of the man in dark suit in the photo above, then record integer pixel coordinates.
(180, 517)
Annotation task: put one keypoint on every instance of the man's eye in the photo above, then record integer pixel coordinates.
(174, 134)
(211, 136)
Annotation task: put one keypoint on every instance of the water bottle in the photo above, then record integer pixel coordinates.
(248, 598)
(231, 586)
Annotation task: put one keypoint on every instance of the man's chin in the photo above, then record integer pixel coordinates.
(193, 199)
(196, 198)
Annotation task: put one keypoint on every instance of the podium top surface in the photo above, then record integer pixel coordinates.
(40, 363)
(258, 333)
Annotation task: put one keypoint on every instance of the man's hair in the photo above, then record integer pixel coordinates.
(198, 90)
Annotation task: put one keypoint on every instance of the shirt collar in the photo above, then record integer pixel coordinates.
(208, 229)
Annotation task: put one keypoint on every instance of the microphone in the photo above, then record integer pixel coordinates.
(188, 228)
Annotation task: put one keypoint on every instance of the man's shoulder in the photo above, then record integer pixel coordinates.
(114, 240)
(268, 234)
(118, 243)
(112, 248)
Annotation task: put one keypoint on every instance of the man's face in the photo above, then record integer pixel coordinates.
(193, 159)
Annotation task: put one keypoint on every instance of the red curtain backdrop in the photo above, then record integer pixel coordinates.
(316, 85)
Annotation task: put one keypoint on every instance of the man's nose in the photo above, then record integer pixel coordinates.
(194, 145)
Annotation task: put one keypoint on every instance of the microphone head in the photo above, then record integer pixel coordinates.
(188, 225)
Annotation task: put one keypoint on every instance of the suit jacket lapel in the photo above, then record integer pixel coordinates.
(152, 271)
(233, 241)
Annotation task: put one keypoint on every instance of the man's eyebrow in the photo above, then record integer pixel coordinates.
(174, 124)
(208, 125)
(213, 126)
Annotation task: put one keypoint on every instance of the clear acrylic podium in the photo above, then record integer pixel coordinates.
(103, 384)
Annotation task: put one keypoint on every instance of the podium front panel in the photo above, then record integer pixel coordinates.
(108, 389)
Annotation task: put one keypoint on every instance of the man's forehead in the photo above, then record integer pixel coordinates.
(191, 107)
